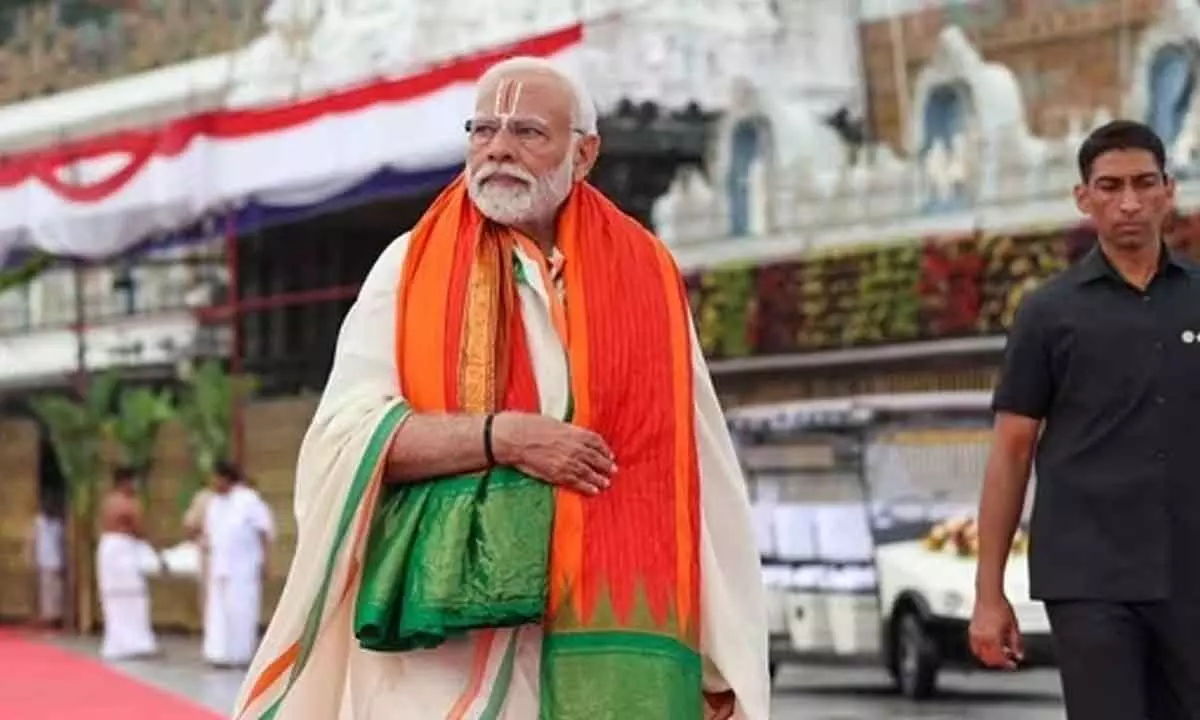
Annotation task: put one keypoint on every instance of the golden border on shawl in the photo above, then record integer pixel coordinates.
(369, 470)
(477, 375)
(477, 393)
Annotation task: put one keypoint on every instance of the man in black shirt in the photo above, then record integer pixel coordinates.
(1101, 382)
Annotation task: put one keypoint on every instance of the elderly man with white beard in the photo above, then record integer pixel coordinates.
(517, 498)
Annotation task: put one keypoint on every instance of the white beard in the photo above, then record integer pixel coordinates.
(517, 205)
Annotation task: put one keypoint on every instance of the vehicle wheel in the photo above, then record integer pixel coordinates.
(916, 664)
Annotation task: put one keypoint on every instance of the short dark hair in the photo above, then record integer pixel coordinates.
(123, 474)
(1120, 135)
(227, 471)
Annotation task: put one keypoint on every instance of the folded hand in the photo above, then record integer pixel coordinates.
(553, 451)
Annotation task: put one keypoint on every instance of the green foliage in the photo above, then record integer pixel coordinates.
(132, 419)
(140, 414)
(26, 272)
(77, 431)
(207, 406)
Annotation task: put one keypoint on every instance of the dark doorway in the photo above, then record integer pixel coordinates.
(52, 485)
(296, 282)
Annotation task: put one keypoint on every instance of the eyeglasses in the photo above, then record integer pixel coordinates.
(528, 132)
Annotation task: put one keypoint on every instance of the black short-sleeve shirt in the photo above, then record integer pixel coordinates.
(1114, 374)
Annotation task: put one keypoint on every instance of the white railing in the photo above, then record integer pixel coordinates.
(695, 218)
(111, 292)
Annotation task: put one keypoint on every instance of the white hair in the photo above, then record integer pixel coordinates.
(584, 114)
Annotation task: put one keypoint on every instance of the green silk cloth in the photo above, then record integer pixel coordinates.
(470, 552)
(452, 555)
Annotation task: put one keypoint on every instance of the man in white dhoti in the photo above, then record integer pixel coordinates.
(47, 553)
(238, 529)
(123, 561)
(518, 498)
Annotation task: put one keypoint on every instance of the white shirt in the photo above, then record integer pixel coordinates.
(234, 523)
(48, 543)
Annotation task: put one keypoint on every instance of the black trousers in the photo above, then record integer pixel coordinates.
(1128, 661)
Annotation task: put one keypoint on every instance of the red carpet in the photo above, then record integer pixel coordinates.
(42, 682)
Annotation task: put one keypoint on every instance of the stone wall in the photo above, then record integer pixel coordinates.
(1067, 56)
(50, 47)
(273, 433)
(18, 504)
(175, 604)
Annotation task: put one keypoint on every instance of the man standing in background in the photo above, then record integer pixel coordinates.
(46, 555)
(238, 529)
(123, 560)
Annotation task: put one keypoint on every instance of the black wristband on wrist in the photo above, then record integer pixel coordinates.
(487, 440)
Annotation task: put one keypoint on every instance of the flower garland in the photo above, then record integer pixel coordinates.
(950, 288)
(871, 295)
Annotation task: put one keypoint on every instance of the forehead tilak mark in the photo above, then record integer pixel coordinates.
(508, 94)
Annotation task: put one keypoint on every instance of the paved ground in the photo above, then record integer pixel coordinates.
(179, 669)
(811, 693)
(805, 693)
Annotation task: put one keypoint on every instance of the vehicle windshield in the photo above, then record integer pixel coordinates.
(896, 470)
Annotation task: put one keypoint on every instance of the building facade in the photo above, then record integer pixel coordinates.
(81, 69)
(1067, 57)
(92, 92)
(860, 193)
(828, 263)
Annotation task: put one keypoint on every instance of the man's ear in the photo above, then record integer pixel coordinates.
(587, 151)
(1081, 199)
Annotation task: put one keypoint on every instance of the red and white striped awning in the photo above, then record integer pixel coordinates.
(98, 197)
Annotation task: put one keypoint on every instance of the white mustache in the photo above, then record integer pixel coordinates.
(488, 171)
